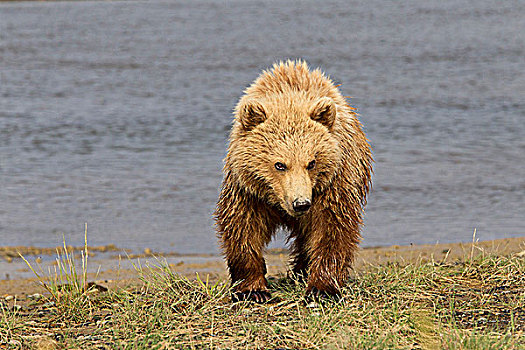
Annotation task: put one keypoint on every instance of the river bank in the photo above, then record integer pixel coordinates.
(443, 296)
(113, 264)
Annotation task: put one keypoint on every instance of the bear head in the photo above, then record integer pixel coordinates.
(283, 148)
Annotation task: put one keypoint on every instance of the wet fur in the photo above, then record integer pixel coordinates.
(291, 114)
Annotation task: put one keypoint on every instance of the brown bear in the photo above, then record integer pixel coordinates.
(297, 159)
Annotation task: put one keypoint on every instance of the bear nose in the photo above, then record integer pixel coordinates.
(301, 205)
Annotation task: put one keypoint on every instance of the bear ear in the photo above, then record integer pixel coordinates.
(251, 114)
(324, 112)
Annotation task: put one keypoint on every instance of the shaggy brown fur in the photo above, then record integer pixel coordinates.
(295, 141)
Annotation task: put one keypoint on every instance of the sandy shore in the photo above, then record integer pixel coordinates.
(108, 270)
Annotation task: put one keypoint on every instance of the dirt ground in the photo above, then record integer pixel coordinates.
(277, 262)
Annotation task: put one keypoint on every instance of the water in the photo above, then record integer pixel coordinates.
(117, 113)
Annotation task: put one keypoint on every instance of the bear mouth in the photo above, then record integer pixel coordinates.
(296, 214)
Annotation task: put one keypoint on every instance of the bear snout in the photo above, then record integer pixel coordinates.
(301, 205)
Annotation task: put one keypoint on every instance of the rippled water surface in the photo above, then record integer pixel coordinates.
(117, 113)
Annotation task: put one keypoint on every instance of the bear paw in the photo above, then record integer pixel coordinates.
(257, 296)
(315, 294)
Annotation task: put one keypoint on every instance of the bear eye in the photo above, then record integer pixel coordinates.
(280, 166)
(310, 165)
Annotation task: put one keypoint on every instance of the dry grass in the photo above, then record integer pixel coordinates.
(478, 303)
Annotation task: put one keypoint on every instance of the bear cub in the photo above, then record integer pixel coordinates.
(297, 159)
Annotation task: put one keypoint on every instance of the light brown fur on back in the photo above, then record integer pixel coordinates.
(294, 118)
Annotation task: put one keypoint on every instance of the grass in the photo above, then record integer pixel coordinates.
(67, 285)
(476, 303)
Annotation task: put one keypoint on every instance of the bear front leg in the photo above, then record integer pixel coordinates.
(245, 228)
(332, 243)
(248, 277)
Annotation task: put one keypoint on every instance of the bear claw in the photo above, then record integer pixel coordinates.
(315, 294)
(257, 296)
